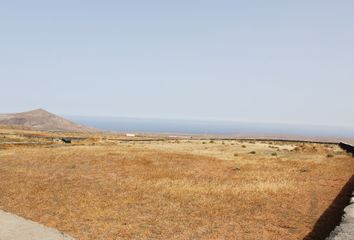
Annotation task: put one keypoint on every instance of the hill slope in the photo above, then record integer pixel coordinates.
(41, 120)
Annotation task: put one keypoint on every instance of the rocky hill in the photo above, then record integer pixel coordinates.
(40, 119)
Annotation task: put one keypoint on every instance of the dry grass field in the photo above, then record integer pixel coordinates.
(104, 188)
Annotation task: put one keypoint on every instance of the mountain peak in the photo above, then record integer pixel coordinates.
(42, 120)
(38, 110)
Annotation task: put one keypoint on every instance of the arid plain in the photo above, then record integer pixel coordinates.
(109, 186)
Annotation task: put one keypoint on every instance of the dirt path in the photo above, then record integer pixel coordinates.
(13, 227)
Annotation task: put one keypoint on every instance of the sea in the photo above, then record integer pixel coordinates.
(220, 128)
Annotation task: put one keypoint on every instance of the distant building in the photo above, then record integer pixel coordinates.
(57, 140)
(130, 135)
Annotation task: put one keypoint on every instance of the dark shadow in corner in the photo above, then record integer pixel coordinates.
(333, 214)
(347, 147)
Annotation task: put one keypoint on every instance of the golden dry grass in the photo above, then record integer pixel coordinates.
(174, 189)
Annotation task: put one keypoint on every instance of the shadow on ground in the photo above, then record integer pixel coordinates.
(333, 214)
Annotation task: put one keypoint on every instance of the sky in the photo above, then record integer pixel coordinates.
(258, 61)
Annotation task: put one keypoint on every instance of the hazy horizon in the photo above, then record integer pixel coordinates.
(240, 61)
(202, 127)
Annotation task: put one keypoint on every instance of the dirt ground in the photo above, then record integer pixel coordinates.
(173, 189)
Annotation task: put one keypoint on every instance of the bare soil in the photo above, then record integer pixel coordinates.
(106, 188)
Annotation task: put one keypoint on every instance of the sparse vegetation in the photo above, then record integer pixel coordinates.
(161, 190)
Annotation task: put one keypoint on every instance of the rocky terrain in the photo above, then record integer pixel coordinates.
(40, 119)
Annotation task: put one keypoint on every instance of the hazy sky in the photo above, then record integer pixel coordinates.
(263, 61)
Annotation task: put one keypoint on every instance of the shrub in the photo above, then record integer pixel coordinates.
(274, 154)
(235, 155)
(253, 152)
(330, 155)
(244, 146)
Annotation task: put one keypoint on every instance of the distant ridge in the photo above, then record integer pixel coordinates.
(40, 119)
